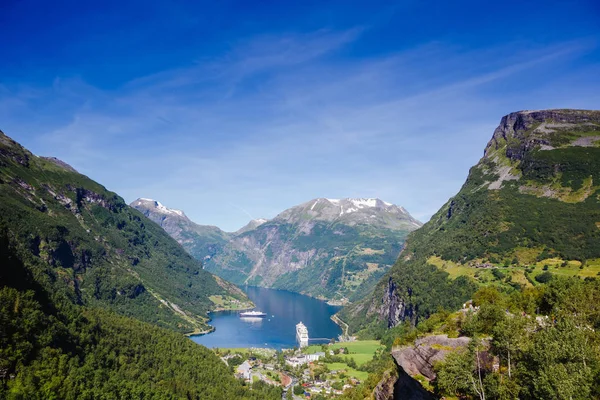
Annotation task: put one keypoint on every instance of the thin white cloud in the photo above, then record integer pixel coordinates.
(404, 127)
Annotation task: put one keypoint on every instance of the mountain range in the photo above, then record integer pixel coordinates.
(329, 248)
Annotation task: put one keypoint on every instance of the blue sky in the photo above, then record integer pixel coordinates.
(231, 110)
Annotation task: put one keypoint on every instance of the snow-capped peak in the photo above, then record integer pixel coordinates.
(158, 206)
(350, 205)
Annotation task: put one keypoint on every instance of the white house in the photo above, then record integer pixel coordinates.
(315, 356)
(244, 370)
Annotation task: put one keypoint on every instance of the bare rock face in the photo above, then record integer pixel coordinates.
(385, 388)
(419, 358)
(525, 130)
(394, 308)
(408, 388)
(201, 241)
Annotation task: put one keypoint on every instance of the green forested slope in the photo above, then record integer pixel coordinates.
(80, 272)
(532, 199)
(51, 348)
(107, 253)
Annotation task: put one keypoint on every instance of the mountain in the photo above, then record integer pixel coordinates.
(80, 272)
(253, 224)
(330, 248)
(201, 241)
(531, 203)
(85, 238)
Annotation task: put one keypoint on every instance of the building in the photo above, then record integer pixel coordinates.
(296, 361)
(244, 370)
(315, 356)
(302, 335)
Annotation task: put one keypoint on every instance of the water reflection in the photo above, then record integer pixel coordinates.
(252, 320)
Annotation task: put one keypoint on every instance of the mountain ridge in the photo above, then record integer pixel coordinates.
(110, 254)
(529, 201)
(265, 250)
(328, 248)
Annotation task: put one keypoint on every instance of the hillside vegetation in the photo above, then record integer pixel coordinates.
(80, 272)
(530, 204)
(105, 252)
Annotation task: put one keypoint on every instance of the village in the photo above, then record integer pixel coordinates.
(307, 371)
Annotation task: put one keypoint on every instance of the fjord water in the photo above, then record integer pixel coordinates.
(278, 330)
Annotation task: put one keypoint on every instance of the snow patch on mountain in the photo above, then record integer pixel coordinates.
(159, 207)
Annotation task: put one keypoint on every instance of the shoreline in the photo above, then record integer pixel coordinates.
(211, 329)
(338, 321)
(198, 332)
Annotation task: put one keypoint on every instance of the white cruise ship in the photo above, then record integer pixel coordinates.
(253, 314)
(302, 335)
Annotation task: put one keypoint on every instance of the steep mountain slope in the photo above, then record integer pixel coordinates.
(325, 247)
(533, 198)
(201, 241)
(106, 253)
(73, 257)
(253, 224)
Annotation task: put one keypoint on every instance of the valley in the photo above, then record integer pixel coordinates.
(326, 248)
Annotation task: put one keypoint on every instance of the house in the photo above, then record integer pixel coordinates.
(244, 370)
(315, 356)
(296, 361)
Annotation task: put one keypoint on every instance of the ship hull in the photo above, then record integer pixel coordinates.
(252, 315)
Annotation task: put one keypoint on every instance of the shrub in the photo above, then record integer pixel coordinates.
(544, 277)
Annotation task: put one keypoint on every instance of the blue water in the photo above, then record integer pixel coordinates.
(278, 330)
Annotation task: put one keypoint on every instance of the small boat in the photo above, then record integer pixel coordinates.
(253, 314)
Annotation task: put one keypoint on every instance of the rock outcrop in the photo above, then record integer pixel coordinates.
(420, 358)
(396, 308)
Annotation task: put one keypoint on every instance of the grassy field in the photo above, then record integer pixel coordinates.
(228, 303)
(361, 350)
(312, 349)
(573, 268)
(361, 375)
(517, 273)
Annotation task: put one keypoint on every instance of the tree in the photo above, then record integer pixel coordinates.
(298, 390)
(561, 362)
(510, 336)
(461, 373)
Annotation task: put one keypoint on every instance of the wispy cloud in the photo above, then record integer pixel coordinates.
(278, 119)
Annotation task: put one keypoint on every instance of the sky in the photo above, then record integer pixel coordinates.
(234, 110)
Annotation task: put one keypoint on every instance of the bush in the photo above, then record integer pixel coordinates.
(544, 277)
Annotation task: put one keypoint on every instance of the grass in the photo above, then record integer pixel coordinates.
(224, 302)
(361, 375)
(315, 348)
(591, 268)
(517, 273)
(361, 350)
